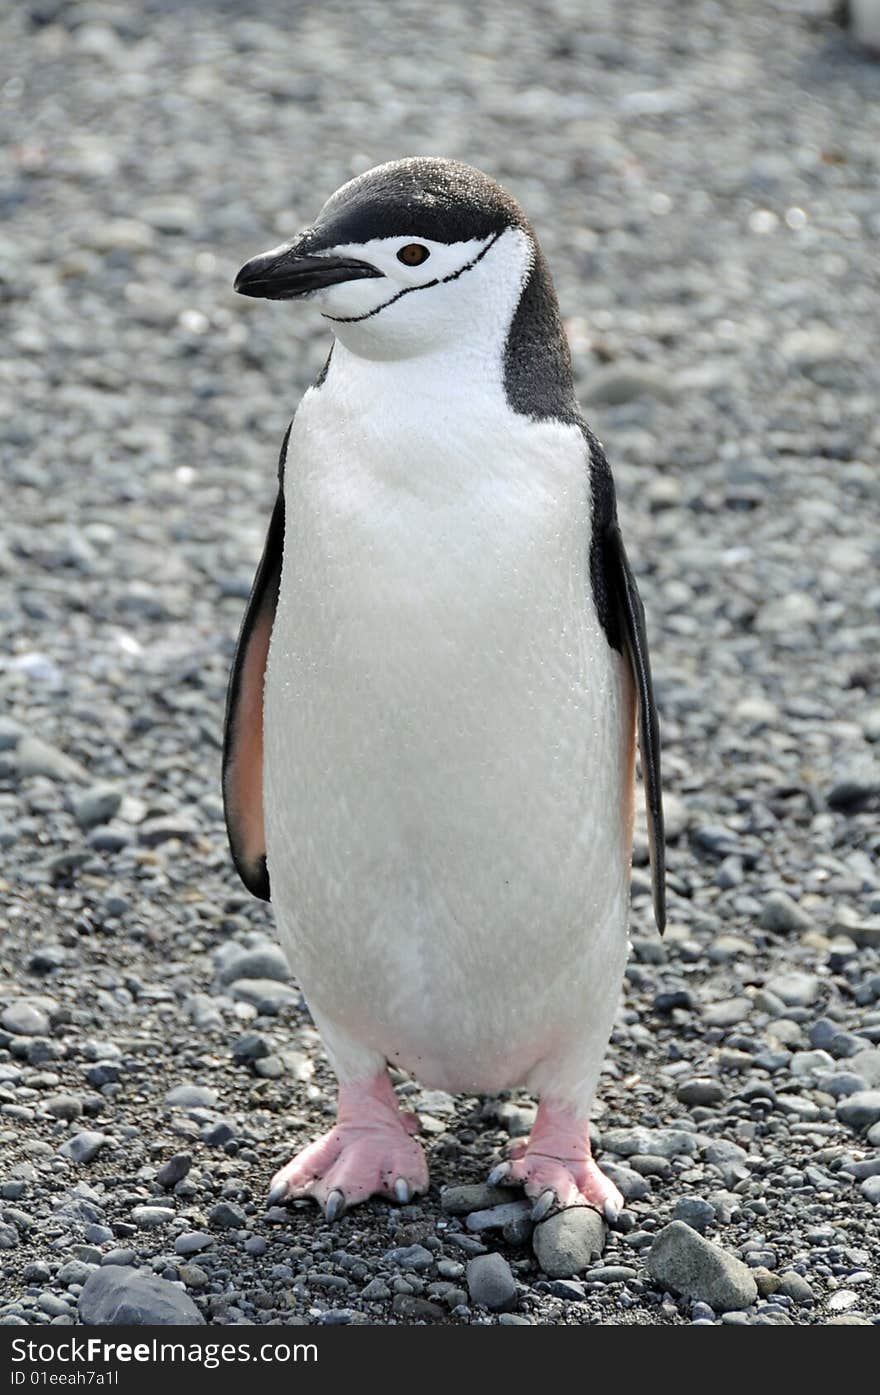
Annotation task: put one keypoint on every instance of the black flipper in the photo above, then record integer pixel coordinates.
(630, 612)
(243, 733)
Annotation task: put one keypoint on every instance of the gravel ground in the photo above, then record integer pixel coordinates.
(705, 181)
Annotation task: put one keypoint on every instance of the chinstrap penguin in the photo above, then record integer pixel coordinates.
(432, 714)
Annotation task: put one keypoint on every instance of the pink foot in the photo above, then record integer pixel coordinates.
(368, 1152)
(556, 1166)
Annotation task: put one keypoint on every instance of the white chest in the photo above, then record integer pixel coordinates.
(448, 734)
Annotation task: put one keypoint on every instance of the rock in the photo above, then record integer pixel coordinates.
(701, 1090)
(870, 1190)
(412, 1257)
(265, 962)
(567, 1241)
(119, 1296)
(84, 1146)
(65, 1107)
(491, 1283)
(795, 989)
(225, 1216)
(191, 1097)
(478, 1196)
(148, 1217)
(630, 1183)
(861, 1110)
(153, 832)
(174, 1170)
(251, 1047)
(664, 1143)
(684, 1262)
(850, 796)
(727, 1013)
(795, 1287)
(25, 1019)
(266, 995)
(782, 915)
(517, 1119)
(618, 383)
(96, 805)
(36, 757)
(497, 1217)
(415, 1309)
(192, 1241)
(695, 1212)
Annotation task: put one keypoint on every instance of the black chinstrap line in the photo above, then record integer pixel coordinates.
(438, 281)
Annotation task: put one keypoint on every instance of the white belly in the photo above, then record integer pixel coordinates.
(448, 744)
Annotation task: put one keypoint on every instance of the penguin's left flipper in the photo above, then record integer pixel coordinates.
(243, 733)
(631, 616)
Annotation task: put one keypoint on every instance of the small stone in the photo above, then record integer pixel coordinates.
(65, 1107)
(861, 1110)
(75, 1271)
(683, 1262)
(153, 832)
(84, 1146)
(794, 1286)
(695, 1212)
(870, 1190)
(415, 1308)
(265, 962)
(491, 1283)
(148, 1217)
(251, 1047)
(567, 1241)
(25, 1019)
(479, 1196)
(267, 996)
(497, 1217)
(36, 757)
(413, 1257)
(191, 1097)
(701, 1090)
(782, 915)
(96, 805)
(174, 1170)
(225, 1216)
(795, 989)
(116, 1295)
(192, 1241)
(727, 1013)
(517, 1119)
(841, 1300)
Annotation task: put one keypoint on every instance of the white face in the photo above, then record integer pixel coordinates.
(430, 295)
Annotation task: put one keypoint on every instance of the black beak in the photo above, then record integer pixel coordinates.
(284, 274)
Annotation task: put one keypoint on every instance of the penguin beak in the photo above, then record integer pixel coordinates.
(285, 274)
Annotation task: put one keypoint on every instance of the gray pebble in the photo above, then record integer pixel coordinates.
(861, 1110)
(192, 1241)
(84, 1146)
(567, 1241)
(121, 1296)
(491, 1283)
(25, 1019)
(686, 1263)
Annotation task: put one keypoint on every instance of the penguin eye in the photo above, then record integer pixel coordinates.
(413, 254)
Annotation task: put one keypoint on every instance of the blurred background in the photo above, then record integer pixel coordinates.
(704, 179)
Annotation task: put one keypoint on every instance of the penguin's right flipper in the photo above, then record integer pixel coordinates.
(243, 733)
(631, 615)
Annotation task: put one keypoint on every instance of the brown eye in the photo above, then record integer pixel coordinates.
(413, 254)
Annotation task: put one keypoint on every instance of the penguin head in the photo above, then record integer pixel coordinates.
(412, 257)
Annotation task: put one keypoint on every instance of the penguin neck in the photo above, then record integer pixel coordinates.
(506, 343)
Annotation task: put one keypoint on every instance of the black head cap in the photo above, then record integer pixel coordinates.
(441, 200)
